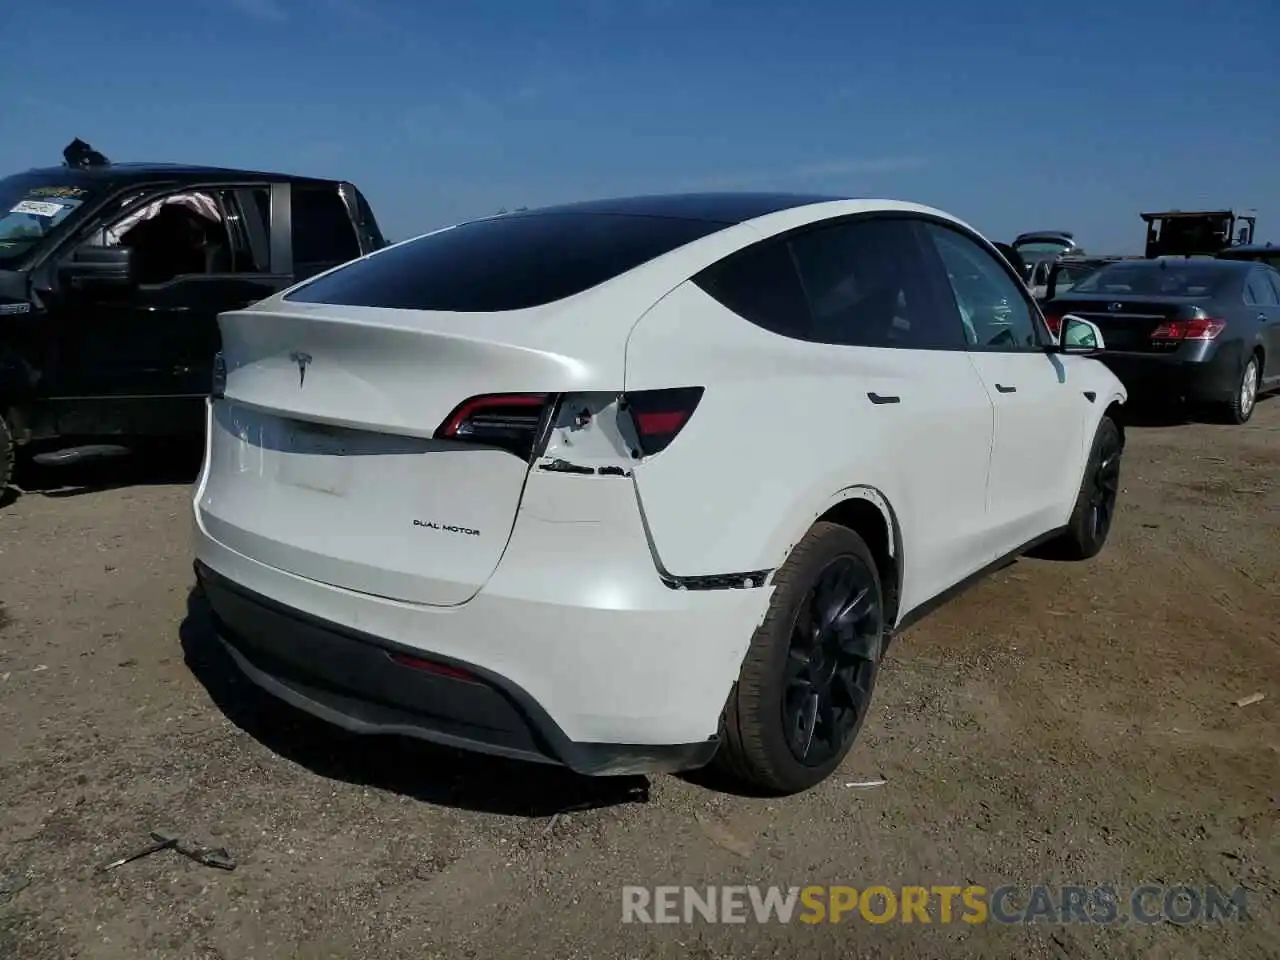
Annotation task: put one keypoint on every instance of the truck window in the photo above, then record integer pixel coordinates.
(192, 233)
(323, 234)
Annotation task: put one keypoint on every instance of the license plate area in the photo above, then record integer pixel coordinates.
(315, 457)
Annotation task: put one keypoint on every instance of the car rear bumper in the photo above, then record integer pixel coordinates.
(1203, 376)
(575, 652)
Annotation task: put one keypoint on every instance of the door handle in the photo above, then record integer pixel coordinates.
(151, 308)
(879, 398)
(183, 371)
(1262, 318)
(1003, 389)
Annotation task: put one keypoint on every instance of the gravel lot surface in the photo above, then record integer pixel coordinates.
(1059, 724)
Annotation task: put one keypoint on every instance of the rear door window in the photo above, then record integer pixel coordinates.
(862, 283)
(510, 262)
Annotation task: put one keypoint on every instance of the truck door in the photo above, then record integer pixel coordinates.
(139, 360)
(371, 237)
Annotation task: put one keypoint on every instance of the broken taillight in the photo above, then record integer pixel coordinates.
(660, 415)
(1201, 328)
(508, 421)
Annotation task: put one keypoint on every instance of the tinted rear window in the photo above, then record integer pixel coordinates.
(1157, 279)
(506, 263)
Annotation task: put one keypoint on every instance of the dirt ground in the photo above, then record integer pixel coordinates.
(1058, 724)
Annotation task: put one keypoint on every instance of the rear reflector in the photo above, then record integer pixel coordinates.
(430, 666)
(660, 415)
(509, 421)
(1202, 328)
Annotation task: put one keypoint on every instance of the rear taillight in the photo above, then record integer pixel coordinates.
(508, 421)
(660, 415)
(1054, 322)
(1201, 328)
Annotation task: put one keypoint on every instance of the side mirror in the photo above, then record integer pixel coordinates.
(100, 269)
(1078, 335)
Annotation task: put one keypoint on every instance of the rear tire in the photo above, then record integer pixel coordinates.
(1239, 409)
(811, 668)
(1095, 507)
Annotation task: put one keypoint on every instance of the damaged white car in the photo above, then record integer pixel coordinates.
(637, 484)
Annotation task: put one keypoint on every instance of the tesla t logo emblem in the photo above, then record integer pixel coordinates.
(302, 360)
(1115, 306)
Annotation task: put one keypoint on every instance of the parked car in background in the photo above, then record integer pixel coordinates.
(628, 485)
(1065, 273)
(1045, 244)
(1259, 252)
(1203, 330)
(111, 280)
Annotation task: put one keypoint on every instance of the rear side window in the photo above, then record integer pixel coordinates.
(760, 284)
(510, 262)
(1258, 290)
(322, 229)
(864, 283)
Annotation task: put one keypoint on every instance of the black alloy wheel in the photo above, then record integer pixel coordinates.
(831, 662)
(1105, 487)
(811, 667)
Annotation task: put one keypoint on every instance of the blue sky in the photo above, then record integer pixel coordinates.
(1012, 115)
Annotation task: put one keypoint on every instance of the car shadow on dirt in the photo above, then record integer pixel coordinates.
(423, 771)
(153, 465)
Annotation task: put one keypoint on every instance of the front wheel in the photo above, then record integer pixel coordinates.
(809, 673)
(1095, 508)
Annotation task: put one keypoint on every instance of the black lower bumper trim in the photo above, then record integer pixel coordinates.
(349, 679)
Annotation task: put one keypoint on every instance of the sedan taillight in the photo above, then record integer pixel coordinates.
(1201, 328)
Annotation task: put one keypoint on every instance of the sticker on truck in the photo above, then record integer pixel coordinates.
(37, 208)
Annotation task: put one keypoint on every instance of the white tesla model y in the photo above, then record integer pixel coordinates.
(630, 485)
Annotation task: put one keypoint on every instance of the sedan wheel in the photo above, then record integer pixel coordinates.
(1249, 388)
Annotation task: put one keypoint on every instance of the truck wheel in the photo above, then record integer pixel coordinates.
(7, 455)
(809, 673)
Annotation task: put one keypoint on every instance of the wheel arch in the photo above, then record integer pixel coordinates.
(867, 512)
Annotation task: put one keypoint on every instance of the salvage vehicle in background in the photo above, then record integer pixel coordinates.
(111, 280)
(1191, 233)
(630, 485)
(1203, 330)
(1259, 252)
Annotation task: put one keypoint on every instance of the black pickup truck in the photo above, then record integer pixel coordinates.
(111, 280)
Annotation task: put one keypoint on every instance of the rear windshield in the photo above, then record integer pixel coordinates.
(1156, 278)
(510, 262)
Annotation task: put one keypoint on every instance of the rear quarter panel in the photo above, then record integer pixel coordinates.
(745, 478)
